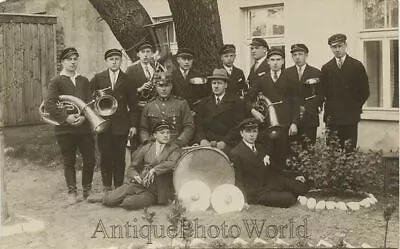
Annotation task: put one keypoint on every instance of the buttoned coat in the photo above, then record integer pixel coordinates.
(262, 69)
(127, 114)
(310, 117)
(214, 122)
(284, 90)
(145, 159)
(345, 91)
(237, 82)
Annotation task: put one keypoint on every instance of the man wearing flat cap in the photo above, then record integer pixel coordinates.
(258, 176)
(345, 89)
(259, 48)
(142, 72)
(218, 113)
(123, 123)
(187, 81)
(307, 78)
(167, 107)
(284, 94)
(74, 131)
(149, 176)
(237, 82)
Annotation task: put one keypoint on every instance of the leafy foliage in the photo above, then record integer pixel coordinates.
(330, 166)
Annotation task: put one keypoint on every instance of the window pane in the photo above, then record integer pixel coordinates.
(394, 72)
(267, 21)
(374, 14)
(373, 58)
(393, 11)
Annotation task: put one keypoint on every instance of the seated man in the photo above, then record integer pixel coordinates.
(219, 113)
(149, 179)
(259, 178)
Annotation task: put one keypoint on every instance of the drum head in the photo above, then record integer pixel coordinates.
(205, 164)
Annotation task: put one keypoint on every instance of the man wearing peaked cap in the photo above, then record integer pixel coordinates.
(74, 130)
(310, 94)
(124, 122)
(184, 77)
(345, 90)
(278, 88)
(258, 176)
(149, 176)
(259, 48)
(219, 113)
(237, 82)
(141, 72)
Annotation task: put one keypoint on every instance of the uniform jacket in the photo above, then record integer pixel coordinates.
(310, 117)
(237, 82)
(144, 159)
(214, 122)
(191, 93)
(62, 85)
(127, 114)
(283, 90)
(261, 70)
(345, 91)
(251, 174)
(173, 109)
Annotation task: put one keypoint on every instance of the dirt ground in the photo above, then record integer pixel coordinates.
(39, 192)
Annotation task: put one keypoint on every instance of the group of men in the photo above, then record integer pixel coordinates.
(166, 111)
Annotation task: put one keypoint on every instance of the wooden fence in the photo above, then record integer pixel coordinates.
(27, 63)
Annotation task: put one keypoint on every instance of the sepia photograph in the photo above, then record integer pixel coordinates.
(152, 124)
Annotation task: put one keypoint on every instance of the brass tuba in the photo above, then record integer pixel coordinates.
(76, 106)
(266, 107)
(104, 104)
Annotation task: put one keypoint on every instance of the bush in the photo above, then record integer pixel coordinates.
(338, 169)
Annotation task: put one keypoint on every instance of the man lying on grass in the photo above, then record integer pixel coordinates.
(149, 176)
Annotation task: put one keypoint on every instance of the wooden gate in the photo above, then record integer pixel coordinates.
(27, 63)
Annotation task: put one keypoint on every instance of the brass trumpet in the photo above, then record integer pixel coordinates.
(266, 107)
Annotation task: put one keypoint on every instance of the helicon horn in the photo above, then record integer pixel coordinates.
(266, 107)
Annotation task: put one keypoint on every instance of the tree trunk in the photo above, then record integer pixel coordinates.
(3, 209)
(126, 19)
(198, 27)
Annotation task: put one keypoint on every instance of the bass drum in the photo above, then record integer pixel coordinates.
(207, 164)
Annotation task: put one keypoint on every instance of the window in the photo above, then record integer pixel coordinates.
(166, 34)
(266, 22)
(379, 37)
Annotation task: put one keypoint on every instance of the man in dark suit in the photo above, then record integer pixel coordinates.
(307, 78)
(74, 130)
(258, 176)
(237, 82)
(185, 79)
(345, 90)
(142, 72)
(259, 49)
(219, 113)
(279, 89)
(149, 176)
(123, 123)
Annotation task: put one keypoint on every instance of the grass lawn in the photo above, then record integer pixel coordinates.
(36, 188)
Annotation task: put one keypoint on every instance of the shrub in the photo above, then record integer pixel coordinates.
(329, 166)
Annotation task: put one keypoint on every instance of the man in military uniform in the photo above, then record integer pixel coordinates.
(307, 78)
(219, 113)
(259, 48)
(183, 77)
(167, 107)
(345, 90)
(237, 82)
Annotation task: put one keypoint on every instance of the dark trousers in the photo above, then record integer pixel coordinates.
(278, 147)
(112, 158)
(69, 143)
(283, 195)
(130, 196)
(346, 134)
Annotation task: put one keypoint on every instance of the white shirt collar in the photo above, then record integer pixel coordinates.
(116, 73)
(342, 59)
(220, 97)
(159, 148)
(228, 69)
(73, 78)
(278, 73)
(259, 61)
(249, 145)
(183, 71)
(301, 67)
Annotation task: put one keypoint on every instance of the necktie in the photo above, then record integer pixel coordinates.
(148, 74)
(254, 149)
(113, 79)
(229, 70)
(256, 64)
(218, 100)
(340, 63)
(185, 73)
(275, 77)
(300, 73)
